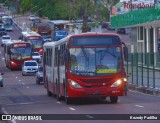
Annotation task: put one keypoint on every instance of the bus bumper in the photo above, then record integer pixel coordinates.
(95, 92)
(14, 65)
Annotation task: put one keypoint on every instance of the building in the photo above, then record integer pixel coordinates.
(144, 57)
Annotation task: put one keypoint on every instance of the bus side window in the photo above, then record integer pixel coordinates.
(63, 57)
(61, 51)
(44, 58)
(56, 57)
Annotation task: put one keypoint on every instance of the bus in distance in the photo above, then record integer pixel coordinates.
(7, 23)
(16, 52)
(35, 39)
(87, 65)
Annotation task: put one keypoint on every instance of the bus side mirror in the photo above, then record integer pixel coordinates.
(125, 51)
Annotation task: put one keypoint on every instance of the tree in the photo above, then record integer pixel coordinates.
(109, 4)
(70, 9)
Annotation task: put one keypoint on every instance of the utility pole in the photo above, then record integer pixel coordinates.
(131, 4)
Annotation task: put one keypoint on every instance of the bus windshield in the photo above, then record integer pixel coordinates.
(20, 53)
(95, 61)
(8, 21)
(37, 43)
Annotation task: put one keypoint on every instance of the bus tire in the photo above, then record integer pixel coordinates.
(58, 96)
(114, 99)
(68, 100)
(49, 93)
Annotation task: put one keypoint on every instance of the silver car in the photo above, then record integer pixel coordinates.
(39, 75)
(1, 79)
(29, 67)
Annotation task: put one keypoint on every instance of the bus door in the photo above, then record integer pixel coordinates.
(44, 69)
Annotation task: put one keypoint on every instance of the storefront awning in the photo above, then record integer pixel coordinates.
(136, 18)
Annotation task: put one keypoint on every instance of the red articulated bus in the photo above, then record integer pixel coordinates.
(85, 65)
(35, 39)
(16, 52)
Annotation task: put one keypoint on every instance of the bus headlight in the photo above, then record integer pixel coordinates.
(125, 79)
(74, 84)
(117, 83)
(12, 62)
(40, 50)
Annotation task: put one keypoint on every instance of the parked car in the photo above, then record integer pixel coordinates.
(1, 79)
(31, 17)
(29, 67)
(3, 31)
(39, 75)
(36, 56)
(5, 39)
(121, 31)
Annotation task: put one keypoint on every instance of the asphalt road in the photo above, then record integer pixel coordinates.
(21, 95)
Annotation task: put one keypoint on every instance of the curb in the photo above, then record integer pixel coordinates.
(146, 90)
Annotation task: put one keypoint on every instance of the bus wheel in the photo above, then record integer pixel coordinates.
(49, 93)
(58, 96)
(68, 100)
(114, 99)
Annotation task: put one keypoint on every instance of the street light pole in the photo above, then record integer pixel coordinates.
(131, 4)
(33, 8)
(37, 11)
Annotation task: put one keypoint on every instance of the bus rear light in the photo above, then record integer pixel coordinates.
(117, 83)
(74, 84)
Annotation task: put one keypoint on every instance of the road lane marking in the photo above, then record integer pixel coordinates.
(89, 116)
(139, 106)
(72, 109)
(59, 102)
(19, 80)
(5, 112)
(27, 87)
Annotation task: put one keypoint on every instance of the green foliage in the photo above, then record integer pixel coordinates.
(67, 9)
